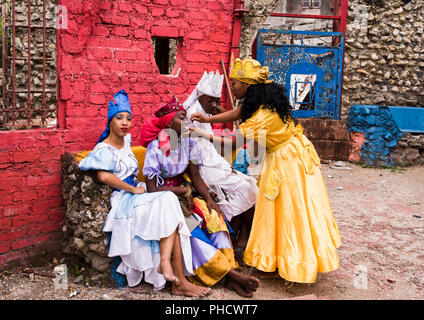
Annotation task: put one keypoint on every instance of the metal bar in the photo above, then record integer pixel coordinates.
(343, 9)
(316, 33)
(336, 12)
(33, 58)
(35, 91)
(336, 9)
(343, 14)
(336, 23)
(299, 45)
(340, 82)
(13, 64)
(304, 16)
(60, 111)
(43, 103)
(32, 27)
(4, 52)
(48, 110)
(29, 64)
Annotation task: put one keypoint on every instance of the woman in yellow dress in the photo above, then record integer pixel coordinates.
(294, 230)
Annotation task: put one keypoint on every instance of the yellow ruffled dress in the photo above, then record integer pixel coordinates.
(293, 229)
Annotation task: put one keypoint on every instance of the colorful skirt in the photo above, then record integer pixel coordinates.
(211, 247)
(212, 253)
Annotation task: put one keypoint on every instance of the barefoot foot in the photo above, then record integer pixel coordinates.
(188, 289)
(165, 269)
(249, 283)
(233, 285)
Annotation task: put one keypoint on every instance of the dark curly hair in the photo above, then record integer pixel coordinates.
(269, 95)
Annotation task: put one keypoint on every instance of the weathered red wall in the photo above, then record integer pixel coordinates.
(105, 48)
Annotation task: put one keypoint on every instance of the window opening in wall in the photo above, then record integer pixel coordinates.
(28, 74)
(326, 7)
(311, 3)
(165, 52)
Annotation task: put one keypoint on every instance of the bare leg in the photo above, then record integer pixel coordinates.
(244, 230)
(184, 287)
(236, 224)
(248, 218)
(165, 267)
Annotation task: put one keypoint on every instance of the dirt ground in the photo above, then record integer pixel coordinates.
(380, 213)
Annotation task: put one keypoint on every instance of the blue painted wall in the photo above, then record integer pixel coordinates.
(380, 131)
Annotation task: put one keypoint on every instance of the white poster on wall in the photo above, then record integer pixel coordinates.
(302, 89)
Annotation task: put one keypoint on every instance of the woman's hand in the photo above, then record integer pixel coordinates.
(213, 206)
(190, 202)
(198, 117)
(188, 195)
(138, 190)
(193, 130)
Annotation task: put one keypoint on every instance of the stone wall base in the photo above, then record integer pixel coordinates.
(409, 150)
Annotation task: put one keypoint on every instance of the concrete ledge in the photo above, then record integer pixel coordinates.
(408, 119)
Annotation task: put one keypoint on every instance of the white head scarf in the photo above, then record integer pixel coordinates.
(210, 84)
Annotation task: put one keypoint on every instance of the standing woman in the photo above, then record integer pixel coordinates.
(294, 230)
(147, 228)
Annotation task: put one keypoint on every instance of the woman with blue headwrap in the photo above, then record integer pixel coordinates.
(146, 228)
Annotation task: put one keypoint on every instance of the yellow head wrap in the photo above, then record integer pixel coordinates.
(249, 71)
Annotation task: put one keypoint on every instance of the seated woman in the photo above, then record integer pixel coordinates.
(168, 156)
(147, 228)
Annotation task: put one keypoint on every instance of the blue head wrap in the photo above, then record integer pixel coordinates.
(122, 105)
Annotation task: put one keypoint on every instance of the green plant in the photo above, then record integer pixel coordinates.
(395, 168)
(76, 270)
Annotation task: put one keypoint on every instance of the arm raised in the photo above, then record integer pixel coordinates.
(227, 116)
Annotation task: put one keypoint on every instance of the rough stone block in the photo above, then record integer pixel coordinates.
(357, 140)
(407, 156)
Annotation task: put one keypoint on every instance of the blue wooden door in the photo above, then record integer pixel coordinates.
(310, 73)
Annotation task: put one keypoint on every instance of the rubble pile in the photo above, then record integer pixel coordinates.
(87, 203)
(410, 150)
